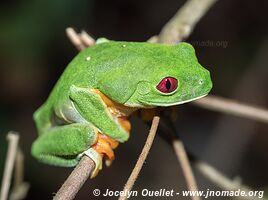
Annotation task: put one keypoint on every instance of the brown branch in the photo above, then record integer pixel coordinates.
(184, 21)
(76, 179)
(185, 166)
(233, 107)
(144, 153)
(13, 140)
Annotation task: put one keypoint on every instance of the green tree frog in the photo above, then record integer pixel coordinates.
(87, 111)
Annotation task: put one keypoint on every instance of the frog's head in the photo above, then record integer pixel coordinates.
(180, 80)
(161, 75)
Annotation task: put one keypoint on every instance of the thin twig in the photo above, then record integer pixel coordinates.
(233, 107)
(19, 168)
(76, 179)
(75, 38)
(79, 40)
(153, 39)
(86, 39)
(13, 140)
(20, 188)
(135, 172)
(184, 21)
(185, 166)
(222, 181)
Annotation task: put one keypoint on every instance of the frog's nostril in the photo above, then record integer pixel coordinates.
(201, 81)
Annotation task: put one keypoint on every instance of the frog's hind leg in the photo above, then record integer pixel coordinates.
(60, 145)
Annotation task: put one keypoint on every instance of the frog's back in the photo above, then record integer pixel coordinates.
(92, 64)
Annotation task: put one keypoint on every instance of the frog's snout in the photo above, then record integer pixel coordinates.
(206, 83)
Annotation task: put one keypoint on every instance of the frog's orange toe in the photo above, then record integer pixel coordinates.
(113, 143)
(105, 146)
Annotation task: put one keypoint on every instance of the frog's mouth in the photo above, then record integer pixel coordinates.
(165, 104)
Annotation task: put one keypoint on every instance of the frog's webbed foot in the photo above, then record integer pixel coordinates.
(105, 146)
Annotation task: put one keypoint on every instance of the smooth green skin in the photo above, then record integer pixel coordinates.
(126, 72)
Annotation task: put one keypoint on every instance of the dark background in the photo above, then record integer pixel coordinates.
(231, 41)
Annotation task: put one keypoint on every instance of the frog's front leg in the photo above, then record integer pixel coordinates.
(92, 108)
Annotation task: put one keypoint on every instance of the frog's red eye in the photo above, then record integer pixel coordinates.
(167, 84)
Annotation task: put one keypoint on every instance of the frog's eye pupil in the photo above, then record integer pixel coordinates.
(167, 84)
